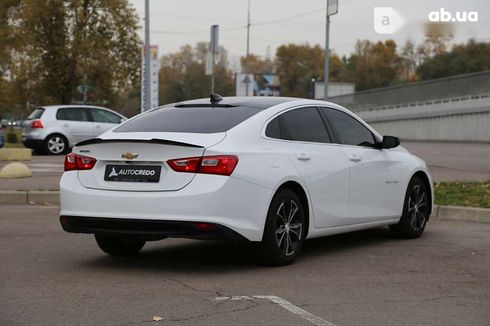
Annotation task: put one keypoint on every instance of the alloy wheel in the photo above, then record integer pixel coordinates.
(56, 145)
(289, 227)
(417, 207)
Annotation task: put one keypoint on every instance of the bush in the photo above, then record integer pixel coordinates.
(11, 137)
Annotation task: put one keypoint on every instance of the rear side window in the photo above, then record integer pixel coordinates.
(72, 114)
(105, 116)
(36, 114)
(349, 130)
(303, 124)
(189, 119)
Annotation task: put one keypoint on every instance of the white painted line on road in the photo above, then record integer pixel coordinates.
(284, 304)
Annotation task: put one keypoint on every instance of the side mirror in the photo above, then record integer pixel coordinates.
(389, 142)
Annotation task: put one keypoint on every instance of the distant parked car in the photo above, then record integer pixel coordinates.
(2, 139)
(55, 129)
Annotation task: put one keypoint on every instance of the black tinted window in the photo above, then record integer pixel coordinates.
(349, 130)
(303, 124)
(36, 114)
(105, 116)
(188, 119)
(72, 114)
(273, 129)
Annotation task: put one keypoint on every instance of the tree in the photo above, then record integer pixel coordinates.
(297, 65)
(253, 64)
(64, 44)
(182, 74)
(464, 58)
(376, 64)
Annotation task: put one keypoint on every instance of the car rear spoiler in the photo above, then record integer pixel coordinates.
(153, 140)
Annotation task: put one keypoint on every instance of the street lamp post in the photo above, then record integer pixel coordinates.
(147, 57)
(332, 9)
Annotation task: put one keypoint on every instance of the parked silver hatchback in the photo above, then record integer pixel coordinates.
(55, 129)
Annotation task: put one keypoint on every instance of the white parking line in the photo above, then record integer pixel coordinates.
(284, 304)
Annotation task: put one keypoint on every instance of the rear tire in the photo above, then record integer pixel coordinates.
(416, 211)
(56, 145)
(285, 229)
(119, 245)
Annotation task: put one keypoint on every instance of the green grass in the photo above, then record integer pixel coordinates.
(474, 194)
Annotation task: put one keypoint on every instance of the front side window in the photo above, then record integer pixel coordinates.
(105, 116)
(349, 130)
(304, 124)
(72, 114)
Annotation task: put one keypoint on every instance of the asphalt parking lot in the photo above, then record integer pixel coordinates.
(48, 277)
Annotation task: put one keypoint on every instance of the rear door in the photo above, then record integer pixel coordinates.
(76, 123)
(321, 164)
(375, 185)
(104, 120)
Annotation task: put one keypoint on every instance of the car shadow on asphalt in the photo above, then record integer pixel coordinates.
(194, 256)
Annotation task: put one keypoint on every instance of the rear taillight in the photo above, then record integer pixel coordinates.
(219, 164)
(36, 124)
(78, 162)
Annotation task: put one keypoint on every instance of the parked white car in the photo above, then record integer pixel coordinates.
(275, 171)
(55, 129)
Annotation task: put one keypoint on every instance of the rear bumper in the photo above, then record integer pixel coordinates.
(36, 144)
(150, 229)
(227, 202)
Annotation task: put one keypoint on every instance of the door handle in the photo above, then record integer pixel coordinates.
(355, 158)
(65, 125)
(303, 157)
(97, 126)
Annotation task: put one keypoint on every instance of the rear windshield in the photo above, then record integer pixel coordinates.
(189, 119)
(36, 114)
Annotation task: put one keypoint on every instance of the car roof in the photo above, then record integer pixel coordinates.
(52, 107)
(259, 102)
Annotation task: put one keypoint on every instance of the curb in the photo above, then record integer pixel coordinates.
(459, 213)
(30, 197)
(15, 154)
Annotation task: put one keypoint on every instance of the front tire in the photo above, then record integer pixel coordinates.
(285, 229)
(416, 211)
(119, 245)
(56, 144)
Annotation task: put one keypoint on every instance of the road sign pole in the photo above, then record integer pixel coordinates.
(332, 9)
(248, 46)
(213, 47)
(147, 57)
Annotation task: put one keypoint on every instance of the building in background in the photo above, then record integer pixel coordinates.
(258, 85)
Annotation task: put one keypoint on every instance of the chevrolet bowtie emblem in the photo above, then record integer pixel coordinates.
(129, 155)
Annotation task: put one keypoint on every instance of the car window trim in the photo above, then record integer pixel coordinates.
(337, 139)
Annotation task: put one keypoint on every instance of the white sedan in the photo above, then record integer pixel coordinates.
(270, 170)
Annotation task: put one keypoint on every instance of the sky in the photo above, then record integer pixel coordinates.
(174, 23)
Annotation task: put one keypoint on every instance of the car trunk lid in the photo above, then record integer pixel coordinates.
(137, 161)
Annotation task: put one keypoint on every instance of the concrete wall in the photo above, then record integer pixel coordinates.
(456, 119)
(455, 86)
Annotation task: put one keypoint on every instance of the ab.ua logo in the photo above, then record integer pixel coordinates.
(460, 16)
